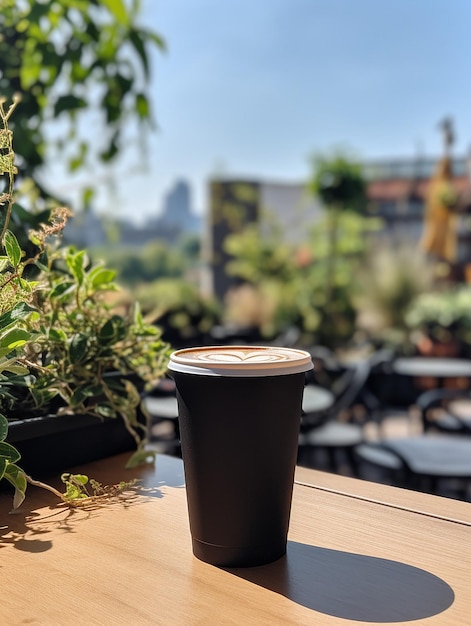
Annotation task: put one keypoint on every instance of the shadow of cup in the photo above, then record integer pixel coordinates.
(352, 586)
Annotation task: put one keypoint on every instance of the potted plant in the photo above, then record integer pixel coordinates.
(440, 322)
(68, 361)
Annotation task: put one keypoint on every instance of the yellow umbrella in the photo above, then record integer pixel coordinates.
(439, 237)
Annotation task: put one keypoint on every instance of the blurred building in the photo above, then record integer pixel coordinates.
(396, 190)
(236, 203)
(177, 213)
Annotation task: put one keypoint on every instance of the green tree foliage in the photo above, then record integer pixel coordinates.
(155, 260)
(291, 281)
(68, 57)
(256, 258)
(338, 181)
(190, 246)
(327, 290)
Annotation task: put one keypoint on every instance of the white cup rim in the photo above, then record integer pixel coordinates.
(299, 361)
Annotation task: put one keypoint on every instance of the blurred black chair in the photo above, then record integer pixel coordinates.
(288, 338)
(383, 396)
(439, 411)
(327, 430)
(162, 411)
(327, 369)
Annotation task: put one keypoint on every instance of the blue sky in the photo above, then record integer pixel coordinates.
(255, 87)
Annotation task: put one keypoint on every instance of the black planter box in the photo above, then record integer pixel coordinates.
(52, 443)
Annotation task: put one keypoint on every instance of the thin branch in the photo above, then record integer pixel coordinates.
(5, 117)
(12, 107)
(38, 483)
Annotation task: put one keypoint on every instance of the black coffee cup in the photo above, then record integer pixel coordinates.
(239, 414)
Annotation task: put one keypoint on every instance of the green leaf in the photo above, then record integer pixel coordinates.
(62, 289)
(28, 285)
(76, 263)
(12, 248)
(105, 410)
(141, 457)
(87, 196)
(18, 475)
(156, 39)
(100, 276)
(57, 334)
(38, 10)
(8, 452)
(14, 338)
(79, 159)
(19, 311)
(5, 364)
(18, 498)
(17, 478)
(78, 347)
(19, 370)
(3, 427)
(118, 9)
(112, 330)
(75, 486)
(29, 74)
(3, 466)
(138, 44)
(82, 479)
(73, 493)
(113, 113)
(142, 106)
(68, 103)
(84, 392)
(77, 397)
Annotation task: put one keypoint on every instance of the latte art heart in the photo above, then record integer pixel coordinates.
(234, 356)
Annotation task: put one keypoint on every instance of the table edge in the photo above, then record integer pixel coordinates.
(457, 511)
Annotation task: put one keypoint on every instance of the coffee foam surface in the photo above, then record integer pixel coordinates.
(240, 360)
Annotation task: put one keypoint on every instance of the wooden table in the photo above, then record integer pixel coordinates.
(358, 553)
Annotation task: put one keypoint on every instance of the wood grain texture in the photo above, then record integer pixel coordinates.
(349, 560)
(392, 496)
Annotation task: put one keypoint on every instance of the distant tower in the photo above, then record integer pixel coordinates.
(177, 209)
(446, 126)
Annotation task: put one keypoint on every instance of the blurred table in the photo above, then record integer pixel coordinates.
(434, 367)
(316, 399)
(431, 457)
(162, 406)
(357, 552)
